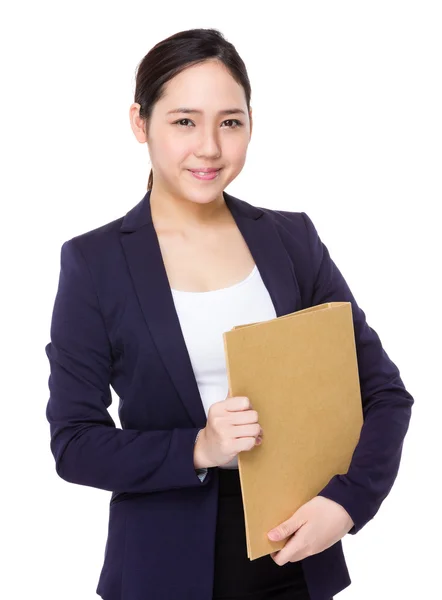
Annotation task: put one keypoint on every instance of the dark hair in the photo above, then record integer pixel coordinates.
(174, 54)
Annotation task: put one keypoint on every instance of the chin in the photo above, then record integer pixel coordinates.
(203, 197)
(203, 191)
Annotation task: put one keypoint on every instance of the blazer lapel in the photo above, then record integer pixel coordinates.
(145, 262)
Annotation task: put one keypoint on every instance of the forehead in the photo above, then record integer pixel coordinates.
(206, 86)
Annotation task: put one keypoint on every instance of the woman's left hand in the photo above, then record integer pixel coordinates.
(314, 527)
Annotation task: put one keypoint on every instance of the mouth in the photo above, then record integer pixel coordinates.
(205, 175)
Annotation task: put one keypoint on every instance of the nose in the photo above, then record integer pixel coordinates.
(208, 144)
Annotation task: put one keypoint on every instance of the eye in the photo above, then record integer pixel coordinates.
(180, 121)
(235, 121)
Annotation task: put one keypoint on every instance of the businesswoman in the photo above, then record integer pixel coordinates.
(141, 306)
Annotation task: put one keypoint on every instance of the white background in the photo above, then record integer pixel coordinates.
(346, 101)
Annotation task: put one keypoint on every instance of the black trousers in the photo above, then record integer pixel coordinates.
(237, 577)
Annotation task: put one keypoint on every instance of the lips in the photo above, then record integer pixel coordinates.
(204, 170)
(209, 175)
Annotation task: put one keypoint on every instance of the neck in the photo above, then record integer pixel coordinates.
(172, 212)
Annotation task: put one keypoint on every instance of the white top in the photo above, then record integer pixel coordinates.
(205, 316)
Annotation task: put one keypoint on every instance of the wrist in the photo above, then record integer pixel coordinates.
(199, 459)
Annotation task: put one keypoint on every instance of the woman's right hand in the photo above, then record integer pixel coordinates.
(232, 427)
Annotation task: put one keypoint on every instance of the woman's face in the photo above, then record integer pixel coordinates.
(212, 137)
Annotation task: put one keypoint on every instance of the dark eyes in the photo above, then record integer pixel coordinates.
(235, 121)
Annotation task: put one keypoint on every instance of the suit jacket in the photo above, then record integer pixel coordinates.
(114, 324)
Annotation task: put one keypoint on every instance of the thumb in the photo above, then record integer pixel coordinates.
(285, 529)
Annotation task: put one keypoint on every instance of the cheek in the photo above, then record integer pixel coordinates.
(237, 156)
(170, 154)
(236, 150)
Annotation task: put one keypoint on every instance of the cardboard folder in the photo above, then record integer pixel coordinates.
(300, 373)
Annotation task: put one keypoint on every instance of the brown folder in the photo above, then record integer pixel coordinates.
(300, 373)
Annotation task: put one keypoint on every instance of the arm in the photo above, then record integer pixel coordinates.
(386, 402)
(87, 447)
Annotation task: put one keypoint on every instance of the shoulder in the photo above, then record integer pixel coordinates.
(97, 236)
(292, 221)
(99, 248)
(294, 226)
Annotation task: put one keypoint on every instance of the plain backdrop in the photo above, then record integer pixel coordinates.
(346, 101)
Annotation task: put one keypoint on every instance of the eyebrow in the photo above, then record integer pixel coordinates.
(227, 111)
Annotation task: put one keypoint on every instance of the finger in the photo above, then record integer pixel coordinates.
(244, 417)
(283, 530)
(237, 403)
(251, 430)
(286, 554)
(287, 528)
(281, 559)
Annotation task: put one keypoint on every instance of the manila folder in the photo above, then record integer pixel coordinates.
(300, 373)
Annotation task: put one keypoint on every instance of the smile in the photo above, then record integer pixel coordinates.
(205, 176)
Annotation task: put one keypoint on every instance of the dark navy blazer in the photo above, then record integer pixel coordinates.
(114, 324)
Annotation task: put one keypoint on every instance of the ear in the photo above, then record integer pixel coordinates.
(137, 123)
(251, 123)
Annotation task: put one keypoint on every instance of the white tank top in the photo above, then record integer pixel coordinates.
(205, 316)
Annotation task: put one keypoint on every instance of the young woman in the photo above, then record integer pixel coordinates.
(141, 306)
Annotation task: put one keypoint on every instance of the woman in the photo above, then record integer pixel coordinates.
(141, 306)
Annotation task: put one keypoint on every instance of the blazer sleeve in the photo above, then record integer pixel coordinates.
(386, 402)
(87, 447)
